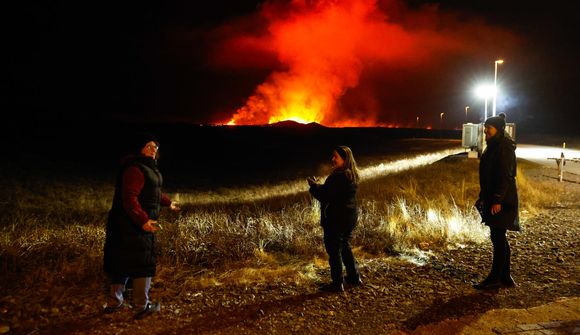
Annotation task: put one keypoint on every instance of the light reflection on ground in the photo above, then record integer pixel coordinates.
(542, 154)
(257, 193)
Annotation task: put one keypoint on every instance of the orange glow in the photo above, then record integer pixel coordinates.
(285, 101)
(320, 50)
(324, 44)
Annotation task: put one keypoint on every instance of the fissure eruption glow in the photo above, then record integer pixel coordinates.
(322, 48)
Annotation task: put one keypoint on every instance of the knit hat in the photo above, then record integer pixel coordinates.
(138, 141)
(498, 122)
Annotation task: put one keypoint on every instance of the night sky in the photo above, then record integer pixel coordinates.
(199, 62)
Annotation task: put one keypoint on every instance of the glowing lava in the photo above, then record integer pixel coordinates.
(322, 48)
(323, 45)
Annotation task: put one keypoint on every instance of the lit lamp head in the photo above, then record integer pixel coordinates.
(484, 91)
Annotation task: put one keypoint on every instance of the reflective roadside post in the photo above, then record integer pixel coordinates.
(441, 125)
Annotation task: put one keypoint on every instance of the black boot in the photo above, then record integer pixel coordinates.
(500, 255)
(508, 282)
(488, 285)
(506, 279)
(353, 281)
(149, 309)
(332, 287)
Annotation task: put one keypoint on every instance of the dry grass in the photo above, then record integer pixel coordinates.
(534, 195)
(54, 231)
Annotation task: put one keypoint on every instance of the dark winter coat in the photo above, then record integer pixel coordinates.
(337, 198)
(130, 250)
(497, 181)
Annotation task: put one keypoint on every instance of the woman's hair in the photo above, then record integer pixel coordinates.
(350, 169)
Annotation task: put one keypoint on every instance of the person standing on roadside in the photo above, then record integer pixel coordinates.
(129, 251)
(498, 200)
(339, 217)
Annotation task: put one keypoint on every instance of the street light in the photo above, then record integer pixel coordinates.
(441, 119)
(485, 91)
(499, 61)
(466, 108)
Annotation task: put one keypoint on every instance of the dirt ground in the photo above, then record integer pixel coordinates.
(398, 296)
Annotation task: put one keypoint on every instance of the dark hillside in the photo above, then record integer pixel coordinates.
(202, 154)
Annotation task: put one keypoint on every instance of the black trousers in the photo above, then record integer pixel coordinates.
(337, 244)
(500, 268)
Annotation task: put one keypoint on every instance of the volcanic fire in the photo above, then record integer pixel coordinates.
(322, 43)
(323, 48)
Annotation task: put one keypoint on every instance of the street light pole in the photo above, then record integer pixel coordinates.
(499, 61)
(485, 118)
(466, 108)
(485, 91)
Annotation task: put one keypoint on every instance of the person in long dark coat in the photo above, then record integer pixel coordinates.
(129, 251)
(339, 216)
(498, 199)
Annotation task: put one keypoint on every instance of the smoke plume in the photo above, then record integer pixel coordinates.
(341, 63)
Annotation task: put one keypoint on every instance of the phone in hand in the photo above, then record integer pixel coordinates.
(312, 180)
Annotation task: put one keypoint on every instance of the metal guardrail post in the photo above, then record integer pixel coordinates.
(561, 162)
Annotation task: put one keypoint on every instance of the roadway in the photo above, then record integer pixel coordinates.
(544, 155)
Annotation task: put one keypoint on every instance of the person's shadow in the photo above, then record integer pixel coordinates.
(471, 304)
(210, 319)
(223, 318)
